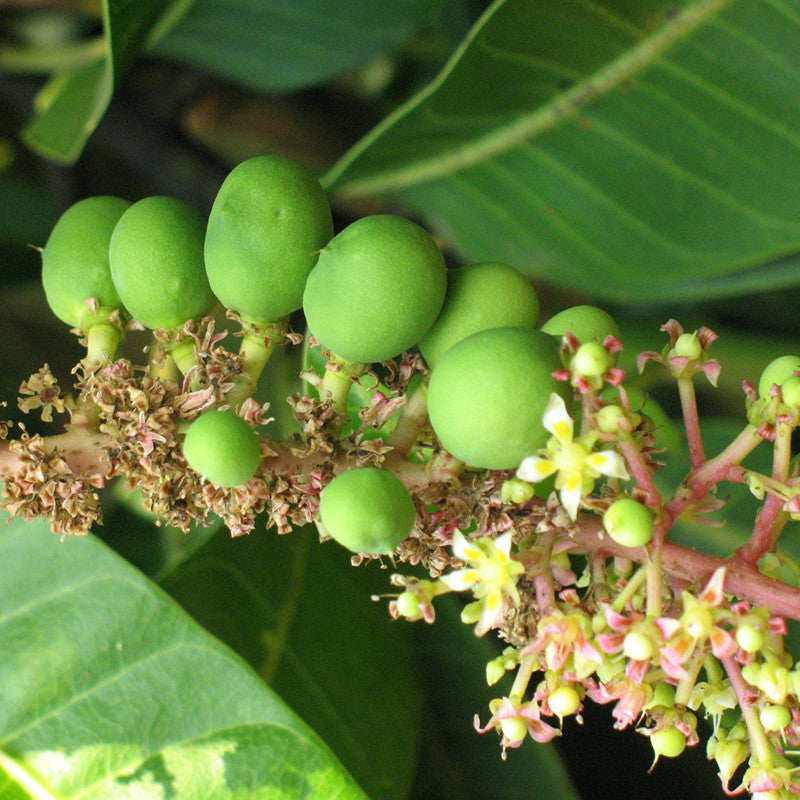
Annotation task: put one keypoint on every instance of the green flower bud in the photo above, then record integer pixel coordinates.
(749, 638)
(774, 717)
(663, 695)
(515, 490)
(638, 646)
(563, 701)
(688, 346)
(591, 359)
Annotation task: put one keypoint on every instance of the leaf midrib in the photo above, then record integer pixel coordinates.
(562, 107)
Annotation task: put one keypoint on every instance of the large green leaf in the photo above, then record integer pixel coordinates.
(280, 45)
(630, 149)
(109, 690)
(302, 616)
(73, 102)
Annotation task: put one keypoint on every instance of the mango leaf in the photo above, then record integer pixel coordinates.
(73, 102)
(282, 45)
(302, 617)
(646, 150)
(108, 689)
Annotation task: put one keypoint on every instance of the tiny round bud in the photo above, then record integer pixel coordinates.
(608, 418)
(688, 346)
(749, 638)
(591, 359)
(628, 522)
(515, 490)
(668, 742)
(775, 718)
(515, 729)
(564, 701)
(638, 646)
(408, 605)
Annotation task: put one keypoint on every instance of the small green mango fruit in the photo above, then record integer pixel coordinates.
(368, 510)
(480, 296)
(376, 290)
(223, 448)
(156, 257)
(488, 392)
(268, 223)
(75, 263)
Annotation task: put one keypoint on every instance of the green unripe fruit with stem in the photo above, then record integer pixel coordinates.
(668, 742)
(156, 257)
(487, 395)
(75, 262)
(587, 324)
(368, 510)
(268, 223)
(777, 372)
(376, 290)
(223, 448)
(479, 297)
(628, 522)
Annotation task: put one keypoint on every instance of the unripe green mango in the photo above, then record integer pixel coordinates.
(480, 296)
(488, 392)
(376, 290)
(587, 323)
(156, 257)
(223, 448)
(368, 510)
(268, 223)
(75, 259)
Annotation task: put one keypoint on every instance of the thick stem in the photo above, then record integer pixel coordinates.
(412, 420)
(258, 344)
(691, 421)
(335, 386)
(102, 340)
(182, 354)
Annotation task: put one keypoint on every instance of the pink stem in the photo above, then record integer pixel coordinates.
(691, 421)
(765, 531)
(699, 481)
